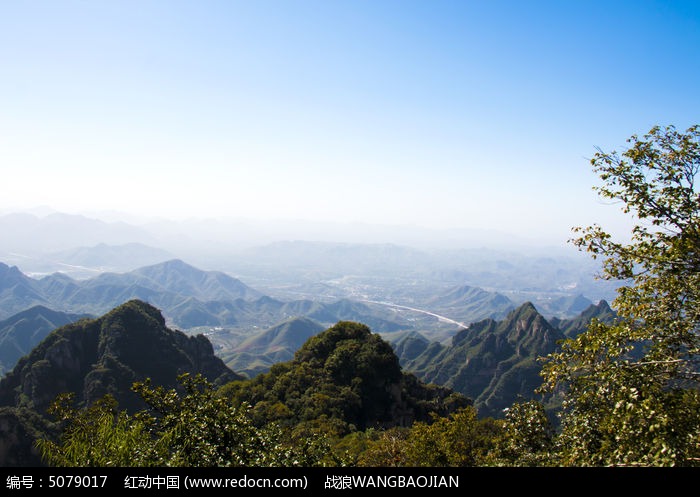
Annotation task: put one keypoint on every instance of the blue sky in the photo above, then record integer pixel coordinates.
(439, 114)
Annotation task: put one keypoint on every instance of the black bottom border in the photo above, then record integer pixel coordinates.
(339, 481)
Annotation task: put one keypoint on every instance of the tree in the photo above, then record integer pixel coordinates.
(196, 429)
(97, 436)
(631, 388)
(526, 437)
(457, 440)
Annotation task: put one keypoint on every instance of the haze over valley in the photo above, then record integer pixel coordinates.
(233, 290)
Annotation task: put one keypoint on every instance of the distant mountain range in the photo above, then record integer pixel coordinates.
(468, 304)
(201, 301)
(87, 262)
(20, 333)
(256, 354)
(38, 235)
(292, 260)
(170, 285)
(236, 318)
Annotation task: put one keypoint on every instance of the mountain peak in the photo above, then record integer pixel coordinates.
(350, 364)
(524, 309)
(6, 271)
(600, 311)
(106, 355)
(177, 265)
(603, 305)
(135, 308)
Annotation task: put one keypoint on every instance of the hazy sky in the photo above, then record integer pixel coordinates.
(444, 114)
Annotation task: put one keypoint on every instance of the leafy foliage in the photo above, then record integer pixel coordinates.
(631, 386)
(196, 429)
(460, 439)
(96, 436)
(526, 437)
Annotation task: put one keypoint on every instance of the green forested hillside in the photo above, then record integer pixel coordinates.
(95, 357)
(492, 362)
(350, 377)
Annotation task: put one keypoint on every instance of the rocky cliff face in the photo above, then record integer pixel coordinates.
(492, 362)
(95, 357)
